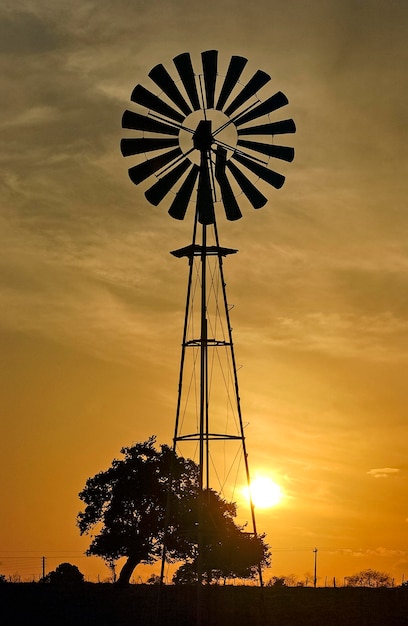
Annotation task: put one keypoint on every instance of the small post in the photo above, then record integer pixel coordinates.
(315, 568)
(43, 569)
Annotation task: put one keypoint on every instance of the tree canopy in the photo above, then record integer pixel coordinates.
(151, 496)
(369, 578)
(64, 574)
(227, 551)
(126, 506)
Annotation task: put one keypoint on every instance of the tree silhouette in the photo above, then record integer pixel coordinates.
(226, 555)
(369, 578)
(64, 574)
(127, 504)
(151, 497)
(289, 580)
(153, 579)
(277, 581)
(227, 551)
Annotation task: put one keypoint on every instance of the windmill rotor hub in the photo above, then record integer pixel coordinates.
(226, 137)
(202, 138)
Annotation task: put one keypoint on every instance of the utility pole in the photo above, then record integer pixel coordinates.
(315, 568)
(43, 568)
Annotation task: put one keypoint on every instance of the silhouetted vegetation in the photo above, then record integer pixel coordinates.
(277, 581)
(227, 551)
(369, 578)
(64, 574)
(151, 497)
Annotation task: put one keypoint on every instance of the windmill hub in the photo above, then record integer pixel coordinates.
(202, 138)
(227, 136)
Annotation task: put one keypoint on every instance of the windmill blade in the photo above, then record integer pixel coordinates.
(162, 78)
(186, 73)
(158, 191)
(231, 207)
(271, 177)
(146, 98)
(273, 103)
(142, 122)
(205, 202)
(279, 152)
(209, 60)
(137, 146)
(234, 72)
(258, 80)
(275, 128)
(180, 203)
(255, 197)
(140, 172)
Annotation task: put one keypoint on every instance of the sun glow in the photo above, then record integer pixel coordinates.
(265, 492)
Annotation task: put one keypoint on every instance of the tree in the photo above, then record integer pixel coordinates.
(369, 578)
(277, 581)
(283, 581)
(185, 575)
(127, 505)
(227, 551)
(3, 579)
(64, 574)
(153, 579)
(152, 497)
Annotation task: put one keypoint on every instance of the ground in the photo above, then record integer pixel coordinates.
(104, 605)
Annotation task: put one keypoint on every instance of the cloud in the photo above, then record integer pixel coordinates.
(380, 552)
(383, 472)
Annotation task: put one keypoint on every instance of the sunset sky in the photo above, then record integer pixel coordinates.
(91, 301)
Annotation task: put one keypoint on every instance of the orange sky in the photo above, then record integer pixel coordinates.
(91, 302)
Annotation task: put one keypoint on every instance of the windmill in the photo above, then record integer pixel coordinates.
(207, 140)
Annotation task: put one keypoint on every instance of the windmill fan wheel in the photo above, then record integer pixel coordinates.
(200, 134)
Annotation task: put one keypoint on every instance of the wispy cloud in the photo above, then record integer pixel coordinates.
(383, 472)
(380, 551)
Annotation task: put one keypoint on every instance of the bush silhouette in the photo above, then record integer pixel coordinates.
(64, 574)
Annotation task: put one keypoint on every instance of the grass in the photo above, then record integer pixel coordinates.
(91, 604)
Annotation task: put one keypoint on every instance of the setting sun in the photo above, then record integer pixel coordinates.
(265, 492)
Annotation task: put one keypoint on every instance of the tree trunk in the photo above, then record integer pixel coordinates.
(127, 571)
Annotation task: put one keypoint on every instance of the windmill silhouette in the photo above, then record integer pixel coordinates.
(200, 141)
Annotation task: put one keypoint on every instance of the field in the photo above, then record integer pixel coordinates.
(105, 605)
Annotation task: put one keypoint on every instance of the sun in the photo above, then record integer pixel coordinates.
(265, 492)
